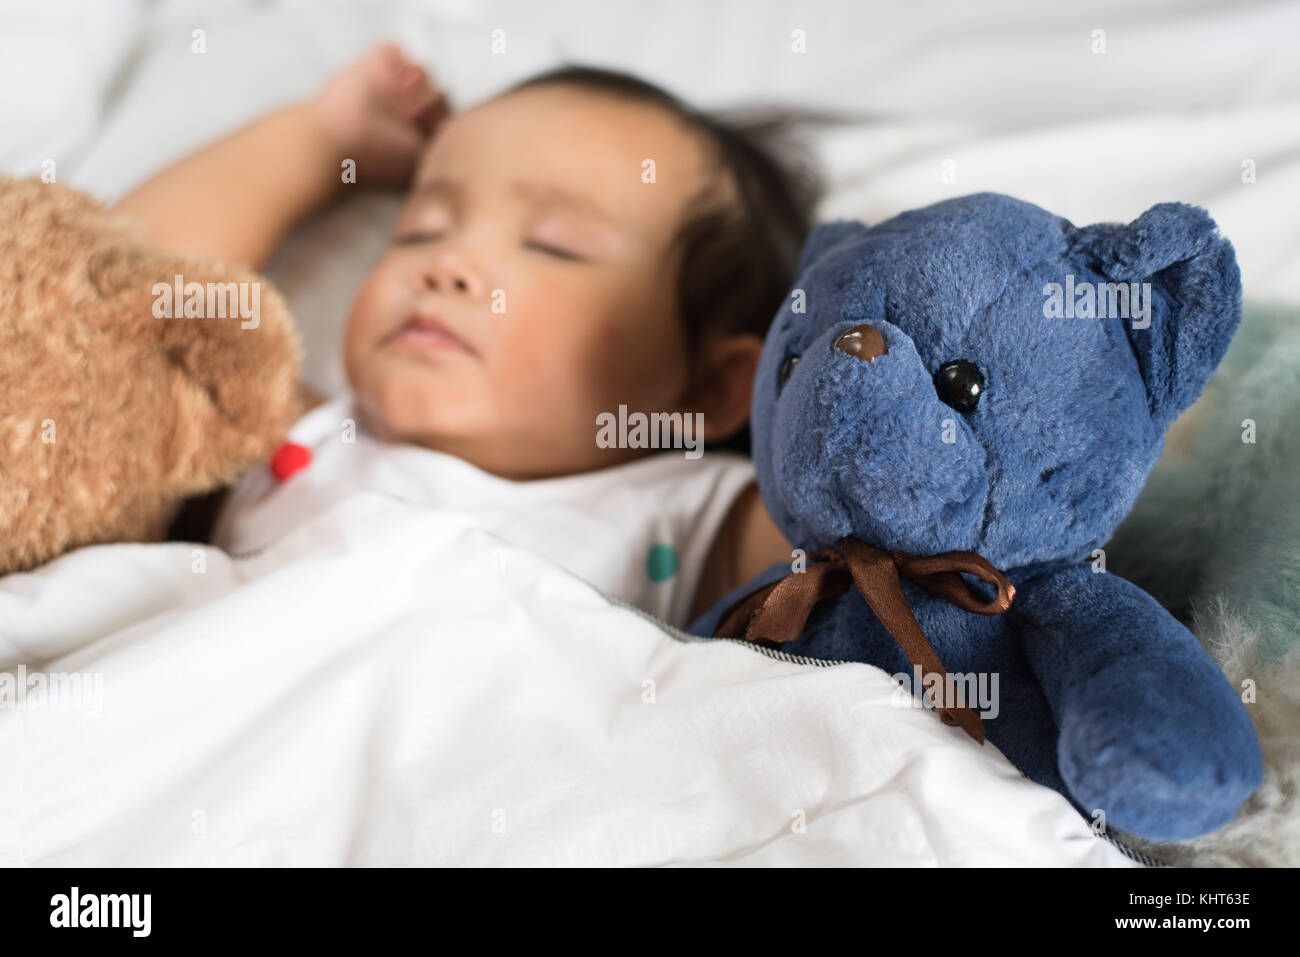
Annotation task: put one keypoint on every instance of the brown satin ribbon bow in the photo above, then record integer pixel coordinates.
(777, 612)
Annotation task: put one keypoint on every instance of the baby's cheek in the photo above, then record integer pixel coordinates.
(539, 390)
(535, 369)
(366, 320)
(635, 367)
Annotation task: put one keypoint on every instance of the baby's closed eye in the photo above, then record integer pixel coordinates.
(549, 249)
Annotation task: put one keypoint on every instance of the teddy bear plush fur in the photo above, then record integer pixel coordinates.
(110, 415)
(1031, 462)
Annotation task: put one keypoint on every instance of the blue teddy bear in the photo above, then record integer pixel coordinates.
(982, 378)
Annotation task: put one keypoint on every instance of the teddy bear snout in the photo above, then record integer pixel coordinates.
(862, 342)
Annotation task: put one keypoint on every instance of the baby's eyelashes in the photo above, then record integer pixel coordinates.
(415, 239)
(557, 252)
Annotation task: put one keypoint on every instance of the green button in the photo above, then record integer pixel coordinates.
(661, 563)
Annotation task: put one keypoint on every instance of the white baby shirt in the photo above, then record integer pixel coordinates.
(641, 531)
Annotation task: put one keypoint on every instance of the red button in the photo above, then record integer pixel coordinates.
(289, 459)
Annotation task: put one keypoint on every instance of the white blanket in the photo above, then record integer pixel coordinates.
(391, 685)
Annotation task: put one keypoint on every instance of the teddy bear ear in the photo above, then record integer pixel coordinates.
(1188, 277)
(824, 236)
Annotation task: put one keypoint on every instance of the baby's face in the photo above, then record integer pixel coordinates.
(529, 286)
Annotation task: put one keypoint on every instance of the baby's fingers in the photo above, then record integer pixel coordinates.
(395, 63)
(415, 98)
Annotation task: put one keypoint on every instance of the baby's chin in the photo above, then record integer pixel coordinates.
(452, 426)
(457, 414)
(413, 405)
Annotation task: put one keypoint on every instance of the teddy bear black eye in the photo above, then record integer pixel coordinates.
(959, 384)
(786, 368)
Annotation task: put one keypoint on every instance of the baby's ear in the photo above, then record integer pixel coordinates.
(824, 236)
(1194, 304)
(723, 384)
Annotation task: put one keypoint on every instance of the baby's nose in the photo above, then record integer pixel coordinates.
(450, 273)
(862, 342)
(445, 281)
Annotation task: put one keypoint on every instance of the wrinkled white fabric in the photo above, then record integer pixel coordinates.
(390, 684)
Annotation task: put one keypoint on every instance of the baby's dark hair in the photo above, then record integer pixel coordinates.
(737, 259)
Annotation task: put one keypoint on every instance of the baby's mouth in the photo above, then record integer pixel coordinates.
(428, 332)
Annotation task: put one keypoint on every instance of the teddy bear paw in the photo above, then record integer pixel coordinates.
(1163, 754)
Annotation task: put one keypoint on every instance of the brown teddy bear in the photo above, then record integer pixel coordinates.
(129, 379)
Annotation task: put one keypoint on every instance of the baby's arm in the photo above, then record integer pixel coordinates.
(748, 543)
(236, 199)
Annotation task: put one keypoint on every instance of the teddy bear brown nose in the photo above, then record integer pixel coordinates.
(862, 342)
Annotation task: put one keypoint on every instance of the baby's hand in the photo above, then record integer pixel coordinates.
(380, 110)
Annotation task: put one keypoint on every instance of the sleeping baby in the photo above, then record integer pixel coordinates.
(577, 257)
